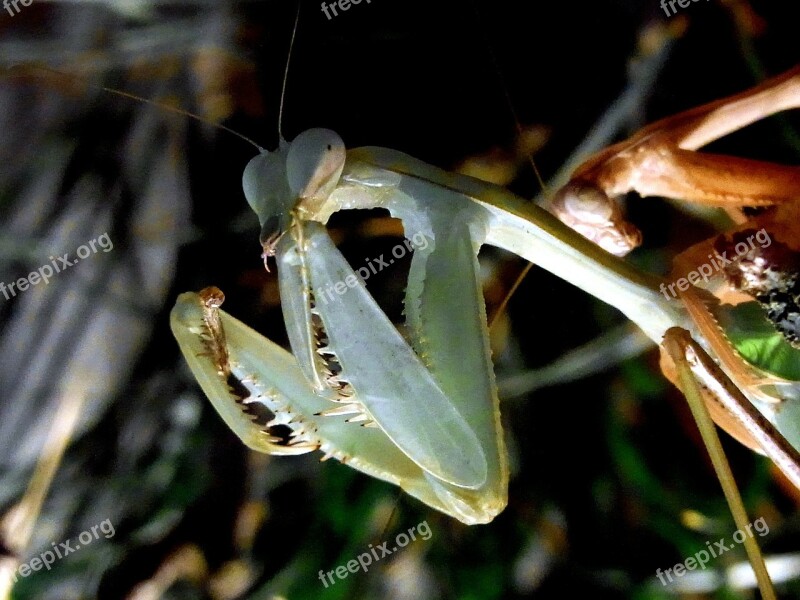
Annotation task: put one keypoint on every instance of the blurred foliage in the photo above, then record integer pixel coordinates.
(609, 482)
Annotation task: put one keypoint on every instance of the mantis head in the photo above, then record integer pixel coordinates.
(298, 173)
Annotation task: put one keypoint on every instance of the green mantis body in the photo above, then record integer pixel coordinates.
(429, 403)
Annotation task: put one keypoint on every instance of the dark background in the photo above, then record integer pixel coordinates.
(609, 480)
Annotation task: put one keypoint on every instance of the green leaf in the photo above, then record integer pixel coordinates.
(756, 339)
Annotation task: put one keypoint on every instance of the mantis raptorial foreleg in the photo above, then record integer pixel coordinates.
(435, 434)
(431, 401)
(661, 159)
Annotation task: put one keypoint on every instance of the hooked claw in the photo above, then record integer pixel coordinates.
(271, 234)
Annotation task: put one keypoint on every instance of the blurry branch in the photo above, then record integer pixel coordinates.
(603, 352)
(16, 526)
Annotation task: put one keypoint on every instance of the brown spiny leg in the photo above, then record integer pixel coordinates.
(696, 370)
(722, 396)
(726, 270)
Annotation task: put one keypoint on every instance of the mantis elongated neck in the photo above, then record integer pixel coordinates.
(533, 233)
(537, 236)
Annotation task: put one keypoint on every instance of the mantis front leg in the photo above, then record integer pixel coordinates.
(662, 158)
(431, 401)
(433, 408)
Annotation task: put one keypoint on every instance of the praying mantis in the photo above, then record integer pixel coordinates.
(532, 333)
(412, 411)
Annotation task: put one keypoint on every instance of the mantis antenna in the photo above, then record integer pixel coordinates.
(131, 96)
(286, 70)
(183, 112)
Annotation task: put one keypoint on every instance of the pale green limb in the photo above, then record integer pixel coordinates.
(682, 349)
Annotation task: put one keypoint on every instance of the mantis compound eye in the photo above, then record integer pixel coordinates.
(314, 163)
(590, 212)
(268, 193)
